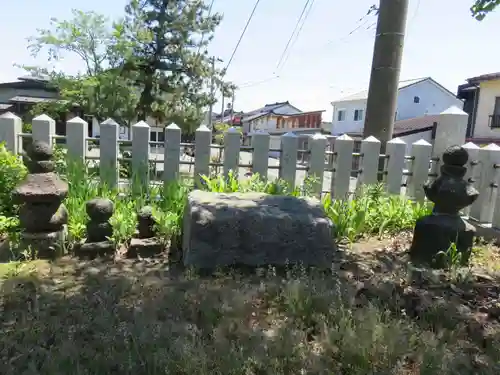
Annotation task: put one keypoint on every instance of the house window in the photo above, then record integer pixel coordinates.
(152, 137)
(341, 115)
(358, 115)
(416, 99)
(161, 136)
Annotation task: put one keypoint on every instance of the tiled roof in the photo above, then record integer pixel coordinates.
(364, 94)
(484, 77)
(4, 106)
(416, 123)
(411, 125)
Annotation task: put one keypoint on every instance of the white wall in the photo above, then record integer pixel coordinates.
(268, 123)
(348, 125)
(433, 100)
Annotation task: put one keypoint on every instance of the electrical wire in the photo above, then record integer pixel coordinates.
(298, 34)
(242, 35)
(292, 35)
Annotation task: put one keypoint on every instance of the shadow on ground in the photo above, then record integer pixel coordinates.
(143, 317)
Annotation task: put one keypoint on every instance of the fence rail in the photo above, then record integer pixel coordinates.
(323, 161)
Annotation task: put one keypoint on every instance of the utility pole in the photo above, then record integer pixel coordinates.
(232, 106)
(222, 110)
(386, 66)
(212, 95)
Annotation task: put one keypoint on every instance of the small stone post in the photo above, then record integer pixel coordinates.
(450, 193)
(42, 216)
(10, 128)
(145, 243)
(99, 229)
(260, 153)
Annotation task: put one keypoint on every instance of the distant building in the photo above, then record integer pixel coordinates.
(481, 95)
(416, 98)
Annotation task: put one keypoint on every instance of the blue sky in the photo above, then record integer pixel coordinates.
(325, 63)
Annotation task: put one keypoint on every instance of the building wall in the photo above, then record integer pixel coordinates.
(348, 125)
(488, 91)
(412, 138)
(432, 100)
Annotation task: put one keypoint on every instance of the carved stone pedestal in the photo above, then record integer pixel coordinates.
(145, 243)
(435, 233)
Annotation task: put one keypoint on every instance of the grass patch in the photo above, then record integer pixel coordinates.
(135, 318)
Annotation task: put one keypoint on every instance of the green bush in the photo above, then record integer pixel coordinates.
(12, 172)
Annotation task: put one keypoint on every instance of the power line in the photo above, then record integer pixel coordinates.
(298, 33)
(293, 34)
(242, 35)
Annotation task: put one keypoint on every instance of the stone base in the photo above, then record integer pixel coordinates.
(49, 245)
(144, 247)
(255, 229)
(435, 233)
(94, 249)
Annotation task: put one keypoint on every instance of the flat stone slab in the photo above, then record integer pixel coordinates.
(144, 247)
(255, 229)
(94, 249)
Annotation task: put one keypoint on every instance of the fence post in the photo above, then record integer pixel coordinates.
(43, 128)
(172, 153)
(260, 153)
(370, 156)
(396, 152)
(317, 147)
(232, 152)
(140, 153)
(489, 158)
(421, 155)
(341, 176)
(108, 150)
(472, 167)
(288, 158)
(203, 140)
(10, 128)
(450, 130)
(76, 135)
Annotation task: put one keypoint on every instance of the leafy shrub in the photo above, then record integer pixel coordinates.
(12, 172)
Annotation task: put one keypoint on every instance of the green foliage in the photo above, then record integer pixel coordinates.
(12, 172)
(101, 90)
(170, 61)
(221, 129)
(481, 8)
(372, 211)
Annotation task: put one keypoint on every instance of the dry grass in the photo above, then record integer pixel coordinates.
(139, 317)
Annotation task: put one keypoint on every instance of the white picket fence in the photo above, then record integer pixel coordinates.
(414, 169)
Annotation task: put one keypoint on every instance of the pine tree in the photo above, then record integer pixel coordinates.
(170, 39)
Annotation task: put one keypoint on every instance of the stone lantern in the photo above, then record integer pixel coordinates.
(42, 215)
(450, 193)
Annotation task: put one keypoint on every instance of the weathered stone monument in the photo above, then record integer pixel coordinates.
(255, 229)
(99, 228)
(145, 243)
(42, 215)
(450, 193)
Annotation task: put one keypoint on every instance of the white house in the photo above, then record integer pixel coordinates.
(416, 98)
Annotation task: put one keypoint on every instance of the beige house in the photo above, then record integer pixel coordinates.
(481, 95)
